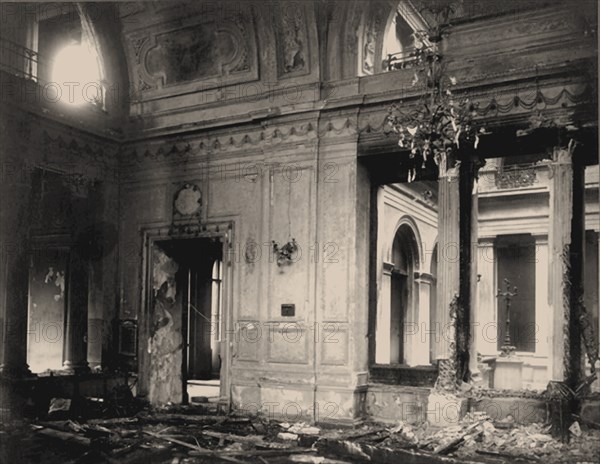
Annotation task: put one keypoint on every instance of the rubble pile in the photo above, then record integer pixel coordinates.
(196, 435)
(478, 436)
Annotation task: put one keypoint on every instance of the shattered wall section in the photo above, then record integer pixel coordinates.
(165, 342)
(46, 309)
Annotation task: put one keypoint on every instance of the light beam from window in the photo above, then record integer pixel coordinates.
(77, 73)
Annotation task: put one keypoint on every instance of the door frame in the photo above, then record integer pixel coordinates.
(222, 230)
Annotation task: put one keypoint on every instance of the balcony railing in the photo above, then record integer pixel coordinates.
(18, 60)
(25, 63)
(401, 60)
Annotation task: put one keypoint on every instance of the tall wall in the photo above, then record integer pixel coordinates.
(295, 180)
(271, 138)
(266, 114)
(83, 217)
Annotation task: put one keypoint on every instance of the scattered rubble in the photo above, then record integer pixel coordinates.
(193, 434)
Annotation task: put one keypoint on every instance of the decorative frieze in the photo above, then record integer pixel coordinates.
(76, 148)
(516, 177)
(242, 141)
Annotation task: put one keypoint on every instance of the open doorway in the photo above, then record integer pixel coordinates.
(194, 302)
(406, 237)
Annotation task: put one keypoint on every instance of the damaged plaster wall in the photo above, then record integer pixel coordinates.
(46, 310)
(165, 342)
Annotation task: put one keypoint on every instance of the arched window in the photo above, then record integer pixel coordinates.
(398, 44)
(77, 71)
(69, 64)
(388, 38)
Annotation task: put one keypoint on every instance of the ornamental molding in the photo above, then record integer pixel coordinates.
(490, 106)
(78, 148)
(242, 141)
(516, 177)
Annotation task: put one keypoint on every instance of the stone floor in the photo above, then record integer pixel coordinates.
(197, 434)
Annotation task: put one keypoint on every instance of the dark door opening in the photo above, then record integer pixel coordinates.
(199, 282)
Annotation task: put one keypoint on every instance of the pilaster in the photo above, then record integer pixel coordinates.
(15, 194)
(384, 318)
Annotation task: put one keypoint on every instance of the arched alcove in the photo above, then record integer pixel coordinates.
(405, 259)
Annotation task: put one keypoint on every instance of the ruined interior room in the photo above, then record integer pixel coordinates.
(299, 231)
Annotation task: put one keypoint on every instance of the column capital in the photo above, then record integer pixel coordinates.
(564, 155)
(486, 241)
(424, 278)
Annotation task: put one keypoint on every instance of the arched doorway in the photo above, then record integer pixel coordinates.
(402, 298)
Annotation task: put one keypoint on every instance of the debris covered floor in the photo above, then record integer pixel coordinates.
(195, 434)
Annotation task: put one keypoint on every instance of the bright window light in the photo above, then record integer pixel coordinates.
(77, 74)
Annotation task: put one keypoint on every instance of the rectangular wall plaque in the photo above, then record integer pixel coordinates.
(288, 309)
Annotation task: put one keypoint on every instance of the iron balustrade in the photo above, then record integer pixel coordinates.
(400, 60)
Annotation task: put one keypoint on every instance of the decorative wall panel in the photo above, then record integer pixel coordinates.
(293, 47)
(176, 55)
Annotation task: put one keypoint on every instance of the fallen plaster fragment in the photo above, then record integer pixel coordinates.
(64, 436)
(446, 448)
(304, 429)
(575, 429)
(307, 458)
(251, 439)
(287, 436)
(315, 459)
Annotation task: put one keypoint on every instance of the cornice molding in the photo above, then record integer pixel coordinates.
(558, 101)
(276, 135)
(77, 147)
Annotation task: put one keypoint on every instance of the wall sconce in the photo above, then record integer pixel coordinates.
(285, 253)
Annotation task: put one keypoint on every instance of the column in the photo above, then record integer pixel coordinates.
(448, 272)
(420, 339)
(455, 223)
(486, 333)
(14, 349)
(75, 358)
(473, 241)
(543, 323)
(566, 243)
(384, 318)
(15, 220)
